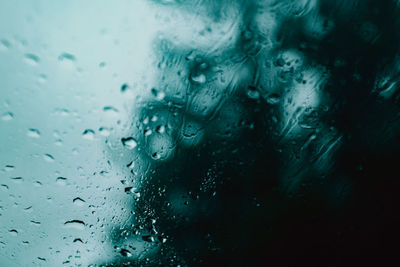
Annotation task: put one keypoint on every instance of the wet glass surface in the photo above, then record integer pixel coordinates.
(199, 133)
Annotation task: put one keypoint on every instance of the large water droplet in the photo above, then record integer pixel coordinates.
(129, 142)
(76, 224)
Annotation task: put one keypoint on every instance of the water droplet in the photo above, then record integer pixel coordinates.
(61, 180)
(131, 165)
(253, 93)
(132, 191)
(5, 44)
(76, 224)
(9, 168)
(124, 87)
(102, 64)
(159, 95)
(104, 131)
(13, 232)
(18, 179)
(32, 59)
(273, 99)
(48, 157)
(148, 238)
(88, 134)
(110, 109)
(125, 253)
(66, 56)
(160, 129)
(7, 116)
(129, 142)
(34, 133)
(201, 78)
(35, 222)
(78, 201)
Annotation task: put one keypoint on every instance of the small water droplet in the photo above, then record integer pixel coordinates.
(125, 253)
(5, 44)
(61, 180)
(34, 133)
(78, 201)
(32, 59)
(88, 134)
(76, 224)
(273, 99)
(18, 179)
(77, 240)
(104, 131)
(48, 157)
(37, 223)
(129, 142)
(110, 109)
(13, 232)
(148, 238)
(66, 56)
(159, 95)
(201, 78)
(253, 93)
(124, 87)
(9, 168)
(102, 64)
(7, 116)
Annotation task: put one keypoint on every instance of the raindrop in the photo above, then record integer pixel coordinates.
(5, 43)
(13, 232)
(273, 99)
(18, 179)
(253, 93)
(78, 201)
(148, 238)
(66, 56)
(48, 157)
(104, 131)
(76, 224)
(88, 134)
(9, 168)
(61, 180)
(102, 64)
(32, 59)
(7, 116)
(110, 109)
(124, 87)
(157, 94)
(129, 142)
(160, 129)
(34, 133)
(201, 78)
(35, 222)
(125, 253)
(132, 191)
